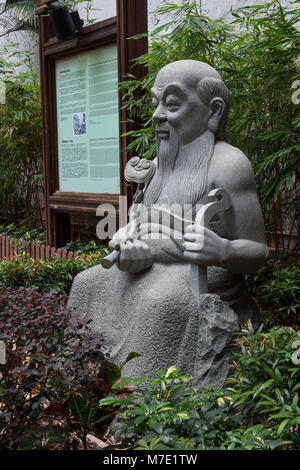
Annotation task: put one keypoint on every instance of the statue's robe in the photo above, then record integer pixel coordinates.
(155, 313)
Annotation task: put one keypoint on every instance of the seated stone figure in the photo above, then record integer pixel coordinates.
(145, 303)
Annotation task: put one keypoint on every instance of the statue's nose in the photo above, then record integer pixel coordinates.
(159, 115)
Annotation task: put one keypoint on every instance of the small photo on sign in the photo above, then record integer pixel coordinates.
(79, 124)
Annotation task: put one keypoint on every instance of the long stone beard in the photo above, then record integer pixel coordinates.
(167, 151)
(182, 170)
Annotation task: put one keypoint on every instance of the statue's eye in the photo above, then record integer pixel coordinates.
(172, 102)
(172, 106)
(155, 103)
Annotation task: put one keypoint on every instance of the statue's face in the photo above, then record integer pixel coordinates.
(177, 104)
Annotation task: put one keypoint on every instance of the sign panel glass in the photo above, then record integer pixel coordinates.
(88, 121)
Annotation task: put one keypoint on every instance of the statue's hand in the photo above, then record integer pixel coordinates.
(204, 247)
(135, 256)
(120, 236)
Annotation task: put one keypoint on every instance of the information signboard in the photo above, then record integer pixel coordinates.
(88, 122)
(85, 128)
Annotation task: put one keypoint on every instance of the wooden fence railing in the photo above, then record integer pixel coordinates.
(10, 247)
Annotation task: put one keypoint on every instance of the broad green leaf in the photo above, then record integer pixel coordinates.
(282, 426)
(111, 371)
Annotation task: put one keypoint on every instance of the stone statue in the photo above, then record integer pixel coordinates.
(146, 302)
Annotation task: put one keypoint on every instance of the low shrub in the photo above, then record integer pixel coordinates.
(21, 163)
(257, 408)
(163, 415)
(276, 287)
(266, 379)
(47, 274)
(24, 233)
(86, 248)
(55, 372)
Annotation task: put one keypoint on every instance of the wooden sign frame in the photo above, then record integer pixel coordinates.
(131, 20)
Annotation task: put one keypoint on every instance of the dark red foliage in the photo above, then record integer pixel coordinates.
(51, 354)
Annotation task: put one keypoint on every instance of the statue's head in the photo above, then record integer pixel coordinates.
(191, 102)
(191, 97)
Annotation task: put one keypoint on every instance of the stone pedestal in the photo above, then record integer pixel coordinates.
(217, 322)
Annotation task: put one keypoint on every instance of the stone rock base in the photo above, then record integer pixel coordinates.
(217, 323)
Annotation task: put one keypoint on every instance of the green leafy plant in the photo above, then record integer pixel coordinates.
(21, 163)
(24, 233)
(51, 356)
(266, 380)
(90, 247)
(80, 409)
(258, 408)
(46, 273)
(19, 15)
(276, 287)
(256, 51)
(167, 413)
(56, 371)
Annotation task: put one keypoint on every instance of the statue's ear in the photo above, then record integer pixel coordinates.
(217, 108)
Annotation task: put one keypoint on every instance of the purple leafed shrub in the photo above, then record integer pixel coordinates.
(50, 356)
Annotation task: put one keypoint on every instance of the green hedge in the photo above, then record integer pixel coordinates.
(47, 274)
(276, 287)
(257, 409)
